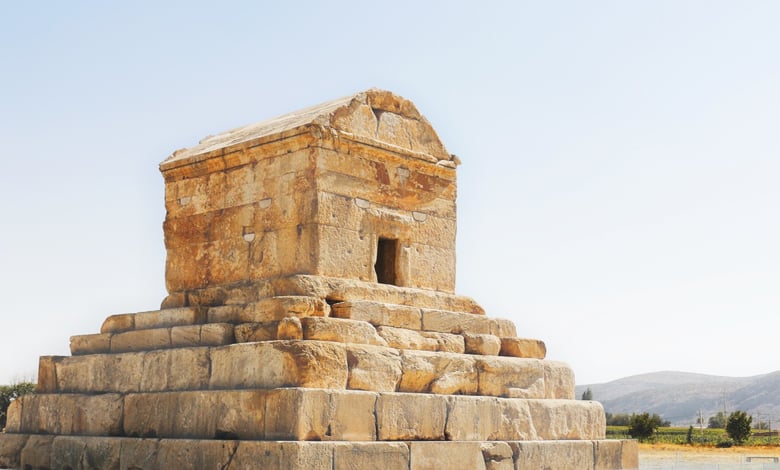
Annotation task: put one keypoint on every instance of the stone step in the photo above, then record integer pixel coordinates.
(115, 453)
(330, 288)
(154, 319)
(343, 330)
(305, 363)
(426, 319)
(289, 325)
(210, 334)
(302, 414)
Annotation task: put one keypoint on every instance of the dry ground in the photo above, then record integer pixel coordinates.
(668, 454)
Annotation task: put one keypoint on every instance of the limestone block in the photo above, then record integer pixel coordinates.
(575, 455)
(190, 335)
(194, 453)
(197, 414)
(456, 322)
(488, 418)
(473, 419)
(47, 374)
(558, 380)
(153, 319)
(320, 415)
(629, 454)
(96, 453)
(510, 377)
(269, 310)
(312, 364)
(402, 338)
(174, 300)
(289, 328)
(498, 456)
(520, 347)
(296, 251)
(283, 456)
(380, 314)
(210, 334)
(139, 454)
(341, 330)
(36, 453)
(227, 259)
(141, 340)
(610, 454)
(446, 342)
(90, 344)
(13, 421)
(443, 373)
(251, 332)
(162, 370)
(410, 417)
(504, 328)
(99, 373)
(152, 454)
(169, 317)
(432, 267)
(484, 344)
(117, 323)
(371, 456)
(175, 369)
(439, 455)
(11, 446)
(338, 210)
(71, 414)
(373, 368)
(345, 253)
(568, 419)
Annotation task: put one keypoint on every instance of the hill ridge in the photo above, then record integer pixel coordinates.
(679, 396)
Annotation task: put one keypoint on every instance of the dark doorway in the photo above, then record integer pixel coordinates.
(385, 261)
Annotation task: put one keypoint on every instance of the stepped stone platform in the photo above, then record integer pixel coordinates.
(311, 323)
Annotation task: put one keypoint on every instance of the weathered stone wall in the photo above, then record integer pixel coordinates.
(309, 204)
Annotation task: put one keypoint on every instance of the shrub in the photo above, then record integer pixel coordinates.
(643, 426)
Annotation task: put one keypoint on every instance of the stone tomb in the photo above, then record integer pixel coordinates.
(311, 323)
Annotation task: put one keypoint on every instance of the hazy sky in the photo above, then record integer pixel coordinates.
(618, 196)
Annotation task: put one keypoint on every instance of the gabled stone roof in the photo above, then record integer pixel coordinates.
(372, 115)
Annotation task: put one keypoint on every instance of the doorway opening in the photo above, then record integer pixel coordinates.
(386, 252)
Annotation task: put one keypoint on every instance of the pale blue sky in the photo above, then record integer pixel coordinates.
(618, 194)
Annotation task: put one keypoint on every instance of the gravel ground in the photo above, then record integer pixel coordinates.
(687, 457)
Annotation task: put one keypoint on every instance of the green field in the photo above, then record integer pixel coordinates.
(706, 437)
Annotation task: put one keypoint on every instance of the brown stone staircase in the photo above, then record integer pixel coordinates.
(308, 373)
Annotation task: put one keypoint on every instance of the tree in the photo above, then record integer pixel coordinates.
(738, 427)
(718, 421)
(587, 394)
(9, 393)
(643, 426)
(618, 419)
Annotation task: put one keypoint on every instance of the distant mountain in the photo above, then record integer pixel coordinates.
(679, 396)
